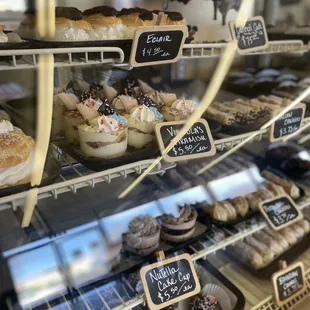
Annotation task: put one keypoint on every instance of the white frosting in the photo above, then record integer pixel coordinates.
(70, 34)
(184, 106)
(102, 124)
(143, 114)
(6, 126)
(3, 37)
(10, 176)
(110, 32)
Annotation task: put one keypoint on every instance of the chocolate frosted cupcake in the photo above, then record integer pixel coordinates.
(143, 235)
(204, 302)
(181, 228)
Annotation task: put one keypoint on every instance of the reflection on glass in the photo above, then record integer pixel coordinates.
(36, 275)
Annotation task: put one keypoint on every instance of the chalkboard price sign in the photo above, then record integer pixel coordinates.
(251, 37)
(157, 45)
(288, 283)
(196, 143)
(288, 124)
(280, 212)
(169, 281)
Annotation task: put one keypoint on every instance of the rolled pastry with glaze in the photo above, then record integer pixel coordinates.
(289, 234)
(221, 117)
(241, 205)
(276, 189)
(231, 211)
(261, 248)
(218, 212)
(299, 231)
(278, 237)
(269, 241)
(305, 225)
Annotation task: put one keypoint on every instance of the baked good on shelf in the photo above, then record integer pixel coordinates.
(16, 155)
(179, 110)
(72, 119)
(143, 235)
(269, 241)
(3, 37)
(241, 205)
(106, 136)
(109, 92)
(105, 22)
(257, 197)
(175, 19)
(305, 225)
(142, 121)
(89, 108)
(162, 98)
(298, 230)
(124, 104)
(289, 187)
(217, 211)
(261, 248)
(68, 99)
(231, 211)
(181, 228)
(280, 238)
(204, 302)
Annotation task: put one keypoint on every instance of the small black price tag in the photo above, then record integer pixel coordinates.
(288, 283)
(280, 212)
(157, 45)
(251, 37)
(169, 281)
(196, 143)
(288, 124)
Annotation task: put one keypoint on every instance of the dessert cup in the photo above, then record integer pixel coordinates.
(124, 104)
(163, 99)
(179, 110)
(72, 119)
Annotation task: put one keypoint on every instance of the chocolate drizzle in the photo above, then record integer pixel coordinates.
(175, 16)
(142, 99)
(68, 12)
(106, 108)
(104, 10)
(146, 16)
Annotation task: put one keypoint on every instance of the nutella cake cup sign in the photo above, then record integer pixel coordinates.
(169, 281)
(251, 37)
(288, 283)
(154, 45)
(196, 143)
(280, 212)
(288, 124)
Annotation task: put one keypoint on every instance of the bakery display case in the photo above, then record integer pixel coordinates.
(110, 163)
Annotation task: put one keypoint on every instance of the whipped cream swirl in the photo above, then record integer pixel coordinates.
(106, 123)
(5, 126)
(144, 114)
(185, 107)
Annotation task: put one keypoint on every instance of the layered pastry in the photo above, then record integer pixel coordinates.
(123, 104)
(16, 155)
(105, 22)
(261, 248)
(223, 211)
(143, 235)
(142, 121)
(181, 228)
(3, 37)
(180, 110)
(72, 119)
(204, 302)
(241, 205)
(106, 136)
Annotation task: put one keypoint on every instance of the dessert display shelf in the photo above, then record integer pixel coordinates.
(77, 56)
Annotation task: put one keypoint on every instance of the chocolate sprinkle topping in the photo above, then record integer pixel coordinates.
(175, 16)
(86, 95)
(147, 102)
(106, 108)
(68, 12)
(146, 16)
(104, 10)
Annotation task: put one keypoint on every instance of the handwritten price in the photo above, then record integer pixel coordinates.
(288, 130)
(154, 51)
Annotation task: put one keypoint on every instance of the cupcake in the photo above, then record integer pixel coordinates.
(181, 228)
(106, 136)
(123, 104)
(142, 121)
(204, 302)
(105, 23)
(181, 109)
(143, 235)
(72, 119)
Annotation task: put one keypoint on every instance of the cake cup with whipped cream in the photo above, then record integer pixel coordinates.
(72, 119)
(106, 136)
(16, 155)
(143, 235)
(181, 228)
(142, 121)
(105, 22)
(89, 108)
(179, 110)
(163, 99)
(123, 104)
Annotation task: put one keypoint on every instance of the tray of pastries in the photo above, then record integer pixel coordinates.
(261, 252)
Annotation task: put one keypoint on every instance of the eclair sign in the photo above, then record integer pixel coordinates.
(169, 281)
(157, 45)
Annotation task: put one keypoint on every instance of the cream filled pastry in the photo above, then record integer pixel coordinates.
(27, 28)
(89, 108)
(124, 104)
(105, 23)
(16, 151)
(143, 235)
(106, 136)
(179, 110)
(181, 228)
(162, 98)
(175, 18)
(142, 121)
(3, 37)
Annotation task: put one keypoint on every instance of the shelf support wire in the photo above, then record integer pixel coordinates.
(212, 90)
(45, 82)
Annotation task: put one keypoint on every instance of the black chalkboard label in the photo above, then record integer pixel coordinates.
(251, 37)
(288, 283)
(169, 281)
(280, 212)
(196, 143)
(288, 124)
(157, 45)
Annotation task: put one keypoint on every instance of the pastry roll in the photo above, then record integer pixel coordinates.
(241, 205)
(289, 187)
(305, 225)
(276, 189)
(265, 194)
(289, 235)
(248, 254)
(231, 211)
(278, 237)
(218, 212)
(261, 248)
(269, 241)
(254, 200)
(221, 117)
(299, 231)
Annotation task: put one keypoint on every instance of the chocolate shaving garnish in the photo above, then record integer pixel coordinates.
(175, 16)
(147, 102)
(104, 10)
(68, 12)
(106, 108)
(146, 16)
